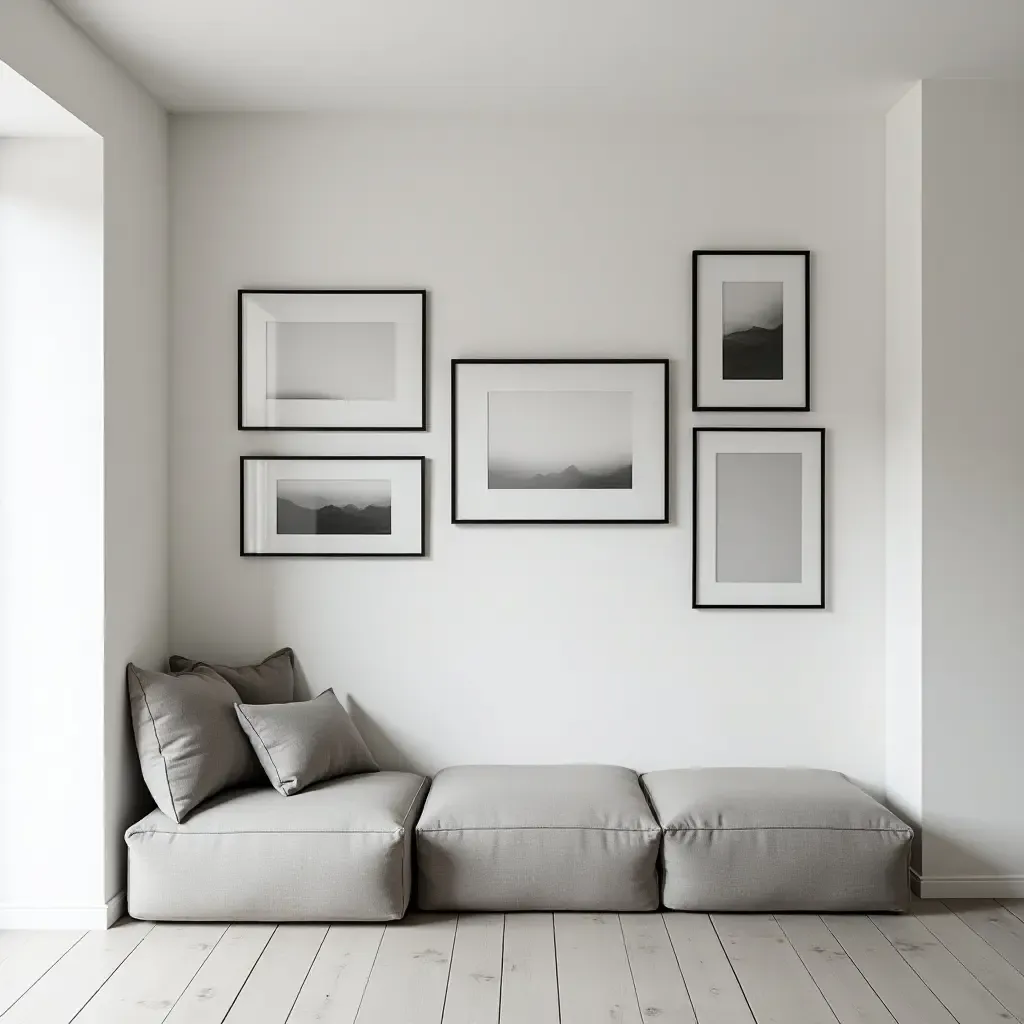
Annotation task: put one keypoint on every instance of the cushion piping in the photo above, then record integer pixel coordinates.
(397, 832)
(675, 829)
(253, 731)
(647, 830)
(159, 745)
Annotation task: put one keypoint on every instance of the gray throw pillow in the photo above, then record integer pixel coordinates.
(305, 742)
(187, 735)
(272, 681)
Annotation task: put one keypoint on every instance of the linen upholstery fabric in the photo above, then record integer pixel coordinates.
(563, 837)
(305, 741)
(189, 743)
(777, 839)
(272, 681)
(338, 851)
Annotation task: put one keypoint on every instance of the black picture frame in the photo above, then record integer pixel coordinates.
(695, 522)
(424, 346)
(661, 519)
(421, 459)
(697, 404)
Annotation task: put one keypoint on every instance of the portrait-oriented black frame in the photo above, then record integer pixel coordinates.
(663, 519)
(697, 431)
(421, 459)
(695, 339)
(425, 302)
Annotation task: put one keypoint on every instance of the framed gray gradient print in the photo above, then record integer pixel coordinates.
(751, 330)
(333, 506)
(560, 441)
(332, 360)
(758, 517)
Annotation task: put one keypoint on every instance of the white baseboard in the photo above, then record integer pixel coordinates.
(991, 887)
(74, 918)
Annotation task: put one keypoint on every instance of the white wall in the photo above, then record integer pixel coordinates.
(973, 458)
(537, 237)
(903, 442)
(42, 46)
(51, 517)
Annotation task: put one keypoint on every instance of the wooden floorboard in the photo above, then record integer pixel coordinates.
(410, 977)
(959, 991)
(774, 979)
(852, 999)
(594, 980)
(26, 956)
(955, 964)
(529, 977)
(908, 998)
(660, 989)
(710, 980)
(1003, 980)
(60, 993)
(474, 983)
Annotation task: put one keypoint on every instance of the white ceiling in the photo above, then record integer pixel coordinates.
(631, 54)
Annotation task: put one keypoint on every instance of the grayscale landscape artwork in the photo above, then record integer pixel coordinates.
(567, 440)
(752, 346)
(334, 506)
(331, 361)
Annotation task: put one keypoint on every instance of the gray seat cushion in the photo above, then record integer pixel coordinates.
(513, 837)
(777, 839)
(338, 851)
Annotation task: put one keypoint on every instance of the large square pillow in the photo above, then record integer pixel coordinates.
(186, 731)
(272, 681)
(305, 741)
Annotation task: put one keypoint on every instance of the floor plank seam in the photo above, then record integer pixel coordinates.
(1010, 910)
(305, 977)
(451, 957)
(995, 949)
(803, 964)
(554, 951)
(501, 964)
(629, 964)
(45, 973)
(241, 988)
(849, 956)
(209, 953)
(728, 960)
(369, 973)
(679, 966)
(973, 974)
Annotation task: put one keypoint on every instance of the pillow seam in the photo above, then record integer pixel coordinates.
(270, 757)
(159, 746)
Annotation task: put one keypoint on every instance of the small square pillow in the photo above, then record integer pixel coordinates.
(305, 742)
(187, 735)
(272, 681)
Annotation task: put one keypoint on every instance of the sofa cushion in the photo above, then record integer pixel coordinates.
(338, 851)
(305, 741)
(777, 839)
(188, 738)
(515, 837)
(272, 681)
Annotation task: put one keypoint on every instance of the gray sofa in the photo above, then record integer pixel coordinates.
(508, 838)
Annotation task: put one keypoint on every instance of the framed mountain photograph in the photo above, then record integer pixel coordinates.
(751, 330)
(560, 441)
(332, 360)
(321, 507)
(758, 517)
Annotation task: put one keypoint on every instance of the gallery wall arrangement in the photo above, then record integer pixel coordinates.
(545, 441)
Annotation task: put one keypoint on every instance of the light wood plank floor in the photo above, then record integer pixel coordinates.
(959, 962)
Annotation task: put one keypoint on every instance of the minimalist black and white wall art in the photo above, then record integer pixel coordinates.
(758, 517)
(751, 330)
(354, 505)
(560, 441)
(331, 360)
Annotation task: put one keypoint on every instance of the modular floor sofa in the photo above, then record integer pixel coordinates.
(508, 838)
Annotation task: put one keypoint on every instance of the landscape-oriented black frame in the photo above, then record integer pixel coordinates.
(663, 516)
(425, 302)
(421, 459)
(696, 603)
(698, 406)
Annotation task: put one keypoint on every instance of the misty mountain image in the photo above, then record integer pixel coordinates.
(504, 477)
(330, 519)
(753, 354)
